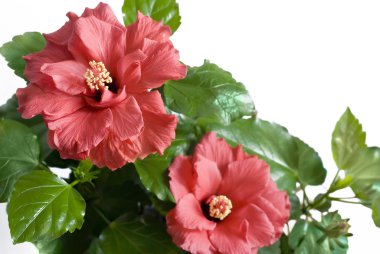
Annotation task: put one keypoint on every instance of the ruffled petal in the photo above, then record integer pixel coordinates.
(62, 35)
(181, 176)
(145, 28)
(81, 130)
(159, 127)
(127, 119)
(68, 76)
(33, 101)
(93, 39)
(188, 214)
(215, 149)
(50, 54)
(109, 153)
(245, 180)
(104, 13)
(207, 178)
(194, 241)
(230, 236)
(129, 69)
(162, 64)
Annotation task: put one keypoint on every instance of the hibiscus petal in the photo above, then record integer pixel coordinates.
(194, 241)
(104, 13)
(261, 231)
(127, 119)
(245, 180)
(93, 39)
(162, 64)
(188, 214)
(215, 149)
(108, 153)
(33, 100)
(50, 54)
(68, 76)
(62, 35)
(81, 130)
(181, 176)
(230, 236)
(159, 128)
(129, 69)
(207, 178)
(145, 28)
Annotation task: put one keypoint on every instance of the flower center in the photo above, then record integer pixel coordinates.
(97, 76)
(220, 207)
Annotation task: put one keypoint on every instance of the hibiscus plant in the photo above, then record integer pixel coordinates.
(163, 157)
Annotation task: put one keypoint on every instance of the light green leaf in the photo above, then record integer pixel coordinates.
(289, 158)
(153, 170)
(209, 92)
(165, 10)
(133, 236)
(19, 154)
(306, 238)
(21, 45)
(348, 138)
(42, 207)
(376, 211)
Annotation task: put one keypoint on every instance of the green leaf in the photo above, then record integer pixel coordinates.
(134, 236)
(9, 111)
(295, 205)
(348, 138)
(165, 10)
(94, 248)
(21, 45)
(376, 211)
(209, 92)
(289, 158)
(42, 207)
(153, 170)
(305, 238)
(273, 249)
(333, 222)
(19, 153)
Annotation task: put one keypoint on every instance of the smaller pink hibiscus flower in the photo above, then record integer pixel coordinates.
(226, 201)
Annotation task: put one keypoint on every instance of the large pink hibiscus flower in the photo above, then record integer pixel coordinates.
(226, 201)
(94, 85)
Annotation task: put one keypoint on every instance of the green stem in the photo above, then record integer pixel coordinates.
(74, 183)
(102, 215)
(347, 201)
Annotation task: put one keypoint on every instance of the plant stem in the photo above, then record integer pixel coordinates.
(346, 201)
(74, 183)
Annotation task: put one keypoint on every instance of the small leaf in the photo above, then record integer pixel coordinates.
(153, 170)
(376, 211)
(209, 92)
(289, 158)
(42, 207)
(134, 236)
(21, 45)
(295, 205)
(348, 138)
(19, 154)
(165, 10)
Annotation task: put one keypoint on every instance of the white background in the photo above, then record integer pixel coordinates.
(303, 62)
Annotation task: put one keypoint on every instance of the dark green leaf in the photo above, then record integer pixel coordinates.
(209, 92)
(333, 223)
(9, 111)
(165, 10)
(94, 247)
(19, 154)
(348, 138)
(273, 249)
(20, 46)
(134, 236)
(42, 207)
(289, 158)
(295, 211)
(153, 170)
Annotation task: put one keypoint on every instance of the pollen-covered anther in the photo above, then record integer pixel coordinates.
(220, 207)
(97, 76)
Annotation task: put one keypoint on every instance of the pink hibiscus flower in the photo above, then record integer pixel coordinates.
(94, 85)
(226, 201)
